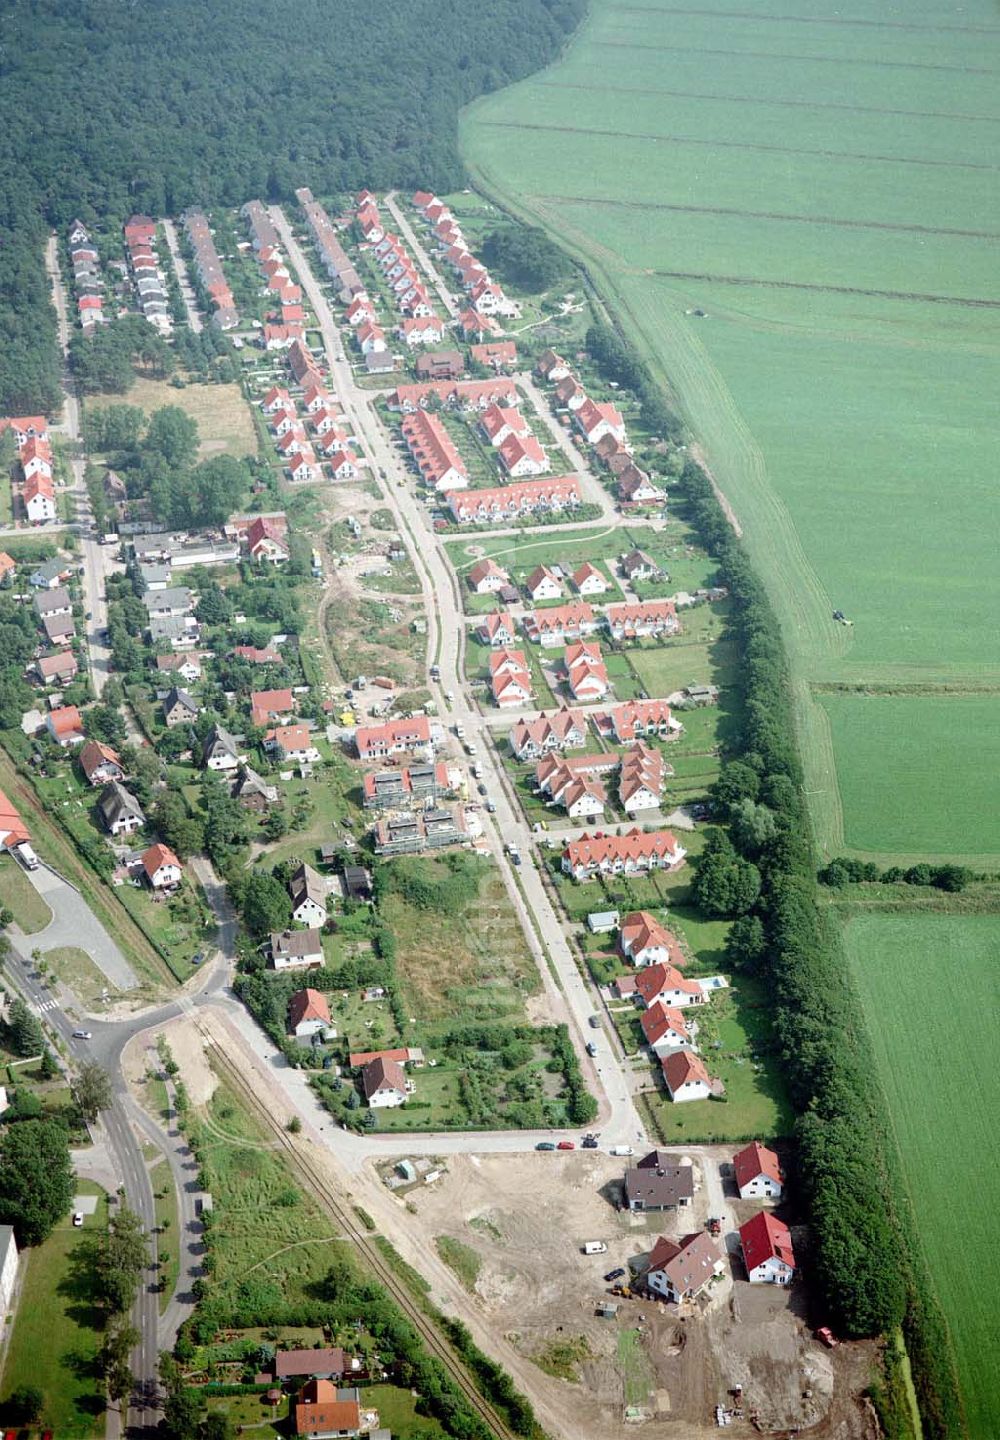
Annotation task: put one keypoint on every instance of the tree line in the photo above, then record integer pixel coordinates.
(869, 1272)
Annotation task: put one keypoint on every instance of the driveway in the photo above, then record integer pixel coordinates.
(74, 924)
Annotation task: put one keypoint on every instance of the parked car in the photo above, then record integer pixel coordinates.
(589, 1142)
(566, 1145)
(591, 1048)
(615, 1274)
(594, 1022)
(826, 1335)
(78, 1218)
(545, 1145)
(82, 1035)
(491, 807)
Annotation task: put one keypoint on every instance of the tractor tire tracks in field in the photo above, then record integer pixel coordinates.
(628, 91)
(806, 19)
(712, 143)
(839, 60)
(821, 220)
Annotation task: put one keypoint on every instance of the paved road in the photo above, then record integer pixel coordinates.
(571, 998)
(115, 1132)
(73, 923)
(95, 555)
(421, 255)
(183, 279)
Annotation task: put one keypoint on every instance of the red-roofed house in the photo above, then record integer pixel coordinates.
(434, 451)
(680, 1269)
(39, 499)
(265, 540)
(292, 743)
(589, 580)
(633, 853)
(499, 423)
(551, 367)
(397, 737)
(595, 420)
(7, 565)
(523, 455)
(637, 718)
(767, 1250)
(758, 1173)
(487, 577)
(384, 1083)
(686, 1076)
(421, 330)
(541, 584)
(13, 830)
(162, 867)
(586, 673)
(640, 784)
(268, 706)
(560, 730)
(36, 458)
(496, 629)
(648, 617)
(665, 1028)
(319, 1415)
(560, 624)
(644, 941)
(510, 678)
(570, 392)
(496, 354)
(664, 982)
(308, 1014)
(65, 725)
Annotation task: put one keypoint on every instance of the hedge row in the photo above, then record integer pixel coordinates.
(869, 1281)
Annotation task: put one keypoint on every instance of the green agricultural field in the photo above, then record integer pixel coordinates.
(897, 795)
(793, 216)
(929, 988)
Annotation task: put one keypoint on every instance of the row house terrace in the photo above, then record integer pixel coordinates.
(487, 296)
(634, 853)
(455, 394)
(336, 262)
(434, 453)
(507, 502)
(209, 269)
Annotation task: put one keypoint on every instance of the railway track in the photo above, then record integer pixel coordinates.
(313, 1177)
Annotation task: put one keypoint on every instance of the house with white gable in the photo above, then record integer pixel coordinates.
(685, 1076)
(766, 1243)
(541, 584)
(758, 1173)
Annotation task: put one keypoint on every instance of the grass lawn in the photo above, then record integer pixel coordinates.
(20, 897)
(265, 1228)
(397, 1412)
(55, 1341)
(936, 1063)
(76, 969)
(168, 1239)
(225, 424)
(680, 662)
(733, 1029)
(897, 796)
(461, 1258)
(473, 964)
(638, 1379)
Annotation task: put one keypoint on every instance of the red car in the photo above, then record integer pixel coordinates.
(826, 1335)
(566, 1145)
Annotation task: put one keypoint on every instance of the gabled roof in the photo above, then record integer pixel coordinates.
(65, 720)
(156, 856)
(754, 1160)
(115, 801)
(642, 931)
(688, 1263)
(382, 1074)
(307, 1005)
(13, 830)
(765, 1238)
(94, 754)
(660, 1020)
(682, 1067)
(655, 979)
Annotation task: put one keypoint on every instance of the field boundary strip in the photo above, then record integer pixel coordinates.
(715, 144)
(629, 90)
(606, 203)
(804, 19)
(818, 59)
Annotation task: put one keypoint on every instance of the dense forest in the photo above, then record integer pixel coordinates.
(107, 108)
